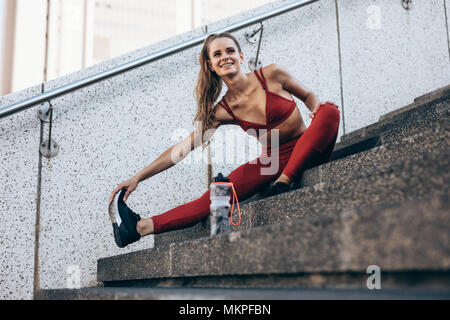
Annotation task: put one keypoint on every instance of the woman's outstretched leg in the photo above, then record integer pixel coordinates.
(247, 180)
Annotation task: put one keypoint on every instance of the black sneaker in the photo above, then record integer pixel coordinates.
(278, 188)
(124, 223)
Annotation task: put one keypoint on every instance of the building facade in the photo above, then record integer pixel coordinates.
(45, 39)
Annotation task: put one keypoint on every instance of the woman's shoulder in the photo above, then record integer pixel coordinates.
(270, 68)
(273, 71)
(221, 114)
(267, 70)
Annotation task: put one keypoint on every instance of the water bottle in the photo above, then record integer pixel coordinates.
(220, 195)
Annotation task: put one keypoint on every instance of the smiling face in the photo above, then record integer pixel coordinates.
(224, 57)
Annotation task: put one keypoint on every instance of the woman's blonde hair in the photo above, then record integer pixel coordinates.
(209, 84)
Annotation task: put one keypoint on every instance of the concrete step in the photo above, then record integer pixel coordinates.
(408, 129)
(434, 105)
(237, 294)
(391, 146)
(199, 230)
(401, 181)
(409, 242)
(435, 96)
(435, 139)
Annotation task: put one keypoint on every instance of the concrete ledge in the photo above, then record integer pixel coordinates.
(434, 96)
(430, 280)
(428, 109)
(411, 236)
(390, 147)
(200, 230)
(404, 180)
(360, 144)
(236, 294)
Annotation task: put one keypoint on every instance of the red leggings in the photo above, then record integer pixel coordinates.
(313, 147)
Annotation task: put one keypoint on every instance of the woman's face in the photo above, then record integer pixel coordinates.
(224, 57)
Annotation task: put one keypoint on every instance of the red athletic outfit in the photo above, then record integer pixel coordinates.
(314, 146)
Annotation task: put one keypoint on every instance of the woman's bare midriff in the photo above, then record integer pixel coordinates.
(290, 129)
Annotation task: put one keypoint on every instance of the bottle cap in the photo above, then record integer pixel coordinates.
(221, 178)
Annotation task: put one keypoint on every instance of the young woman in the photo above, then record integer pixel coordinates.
(260, 102)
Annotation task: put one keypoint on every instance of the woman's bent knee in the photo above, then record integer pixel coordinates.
(330, 112)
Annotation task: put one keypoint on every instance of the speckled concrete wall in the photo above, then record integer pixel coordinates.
(447, 11)
(107, 133)
(111, 130)
(390, 55)
(19, 158)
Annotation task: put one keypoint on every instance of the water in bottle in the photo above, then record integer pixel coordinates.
(220, 195)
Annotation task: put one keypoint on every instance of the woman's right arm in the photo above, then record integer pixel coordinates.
(167, 159)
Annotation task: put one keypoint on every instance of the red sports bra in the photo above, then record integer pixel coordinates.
(278, 108)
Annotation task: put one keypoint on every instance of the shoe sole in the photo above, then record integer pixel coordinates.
(277, 194)
(115, 220)
(117, 238)
(113, 213)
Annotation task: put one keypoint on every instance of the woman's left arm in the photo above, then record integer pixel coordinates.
(295, 87)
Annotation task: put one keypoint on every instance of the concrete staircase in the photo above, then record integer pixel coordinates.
(382, 201)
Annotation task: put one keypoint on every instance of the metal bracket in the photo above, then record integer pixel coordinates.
(407, 4)
(48, 148)
(255, 63)
(251, 64)
(43, 112)
(49, 152)
(251, 36)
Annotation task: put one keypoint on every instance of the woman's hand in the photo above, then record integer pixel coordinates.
(130, 184)
(313, 113)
